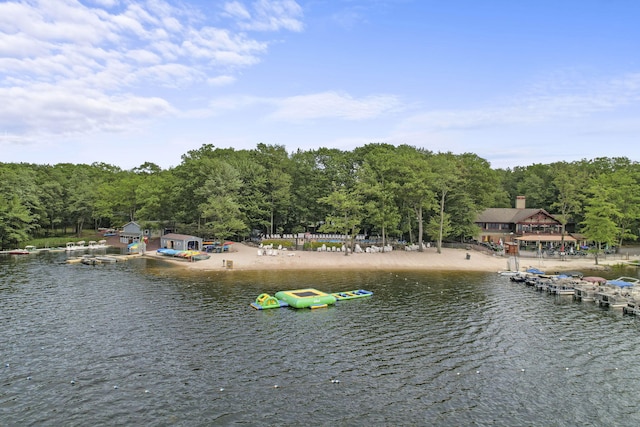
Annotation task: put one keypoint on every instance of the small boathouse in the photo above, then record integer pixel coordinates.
(181, 242)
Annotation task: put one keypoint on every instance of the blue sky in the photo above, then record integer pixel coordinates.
(125, 82)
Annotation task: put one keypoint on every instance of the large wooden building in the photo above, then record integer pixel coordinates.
(522, 225)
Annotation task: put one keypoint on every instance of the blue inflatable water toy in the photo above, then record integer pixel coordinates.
(358, 293)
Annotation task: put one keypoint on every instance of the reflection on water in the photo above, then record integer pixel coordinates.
(144, 343)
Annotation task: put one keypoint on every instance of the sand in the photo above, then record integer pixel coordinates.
(245, 258)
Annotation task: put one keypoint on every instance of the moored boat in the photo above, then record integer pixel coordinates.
(585, 291)
(89, 260)
(587, 287)
(616, 293)
(565, 288)
(508, 273)
(563, 284)
(100, 244)
(624, 281)
(18, 252)
(595, 279)
(521, 277)
(541, 285)
(632, 307)
(75, 246)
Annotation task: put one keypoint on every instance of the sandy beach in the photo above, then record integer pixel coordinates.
(245, 258)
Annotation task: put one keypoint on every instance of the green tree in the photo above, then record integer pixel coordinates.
(221, 206)
(21, 181)
(534, 183)
(624, 186)
(445, 179)
(277, 183)
(440, 226)
(251, 196)
(51, 194)
(569, 197)
(345, 216)
(195, 167)
(152, 193)
(80, 195)
(477, 189)
(314, 174)
(16, 222)
(378, 184)
(415, 190)
(601, 214)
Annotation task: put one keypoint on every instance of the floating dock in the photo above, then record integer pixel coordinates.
(94, 260)
(305, 298)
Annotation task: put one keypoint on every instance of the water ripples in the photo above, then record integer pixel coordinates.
(142, 343)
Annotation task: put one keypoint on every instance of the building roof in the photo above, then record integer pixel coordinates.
(174, 236)
(510, 215)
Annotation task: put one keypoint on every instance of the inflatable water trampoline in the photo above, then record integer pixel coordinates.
(305, 298)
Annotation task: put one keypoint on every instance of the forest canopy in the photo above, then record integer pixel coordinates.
(398, 192)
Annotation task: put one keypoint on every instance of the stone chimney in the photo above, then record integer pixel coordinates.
(521, 202)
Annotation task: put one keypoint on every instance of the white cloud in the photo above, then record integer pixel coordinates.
(539, 106)
(325, 105)
(62, 111)
(236, 10)
(236, 102)
(19, 45)
(266, 15)
(71, 67)
(143, 56)
(221, 80)
(223, 47)
(106, 3)
(170, 75)
(334, 105)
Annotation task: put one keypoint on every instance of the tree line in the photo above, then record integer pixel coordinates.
(399, 192)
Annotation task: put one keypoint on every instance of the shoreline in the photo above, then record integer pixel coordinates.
(246, 258)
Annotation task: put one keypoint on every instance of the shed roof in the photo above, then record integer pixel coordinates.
(131, 223)
(174, 236)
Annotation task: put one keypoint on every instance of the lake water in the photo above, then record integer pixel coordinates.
(142, 343)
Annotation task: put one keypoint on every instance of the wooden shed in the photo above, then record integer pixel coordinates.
(181, 242)
(131, 233)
